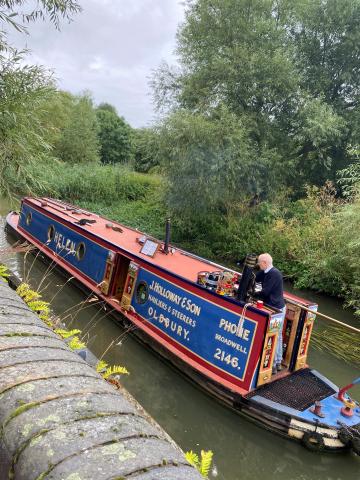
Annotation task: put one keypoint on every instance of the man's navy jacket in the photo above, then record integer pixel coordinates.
(272, 291)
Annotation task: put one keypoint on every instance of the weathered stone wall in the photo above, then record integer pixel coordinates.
(61, 420)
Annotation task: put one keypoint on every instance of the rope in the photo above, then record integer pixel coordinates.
(240, 325)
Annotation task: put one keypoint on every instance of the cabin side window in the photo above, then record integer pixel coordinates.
(28, 218)
(80, 251)
(51, 233)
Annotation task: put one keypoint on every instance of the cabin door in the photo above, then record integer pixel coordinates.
(120, 276)
(296, 336)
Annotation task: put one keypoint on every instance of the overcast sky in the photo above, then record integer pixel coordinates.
(110, 49)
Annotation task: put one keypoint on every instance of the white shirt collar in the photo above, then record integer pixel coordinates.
(268, 269)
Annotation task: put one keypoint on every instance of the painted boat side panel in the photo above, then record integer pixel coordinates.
(65, 243)
(218, 336)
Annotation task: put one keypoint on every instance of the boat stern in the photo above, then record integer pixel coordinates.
(306, 406)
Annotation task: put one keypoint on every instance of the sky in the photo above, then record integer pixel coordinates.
(111, 49)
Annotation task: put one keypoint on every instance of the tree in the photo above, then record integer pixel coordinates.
(211, 164)
(24, 93)
(326, 40)
(146, 147)
(289, 70)
(14, 14)
(115, 136)
(78, 142)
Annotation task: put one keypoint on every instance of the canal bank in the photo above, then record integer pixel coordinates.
(62, 420)
(241, 450)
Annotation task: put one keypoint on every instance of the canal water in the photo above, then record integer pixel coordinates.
(242, 450)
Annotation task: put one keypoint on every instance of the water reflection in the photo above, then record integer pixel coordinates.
(242, 450)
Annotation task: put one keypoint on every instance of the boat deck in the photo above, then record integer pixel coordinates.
(299, 390)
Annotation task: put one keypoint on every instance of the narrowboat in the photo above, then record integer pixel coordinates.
(202, 317)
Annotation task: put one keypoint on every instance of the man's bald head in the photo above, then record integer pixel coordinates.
(265, 261)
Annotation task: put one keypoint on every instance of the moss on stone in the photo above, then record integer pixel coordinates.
(20, 410)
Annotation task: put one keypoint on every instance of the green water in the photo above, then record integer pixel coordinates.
(242, 451)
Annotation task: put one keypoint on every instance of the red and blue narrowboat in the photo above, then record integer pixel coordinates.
(199, 315)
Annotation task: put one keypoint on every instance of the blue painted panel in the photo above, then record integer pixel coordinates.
(65, 243)
(212, 332)
(331, 408)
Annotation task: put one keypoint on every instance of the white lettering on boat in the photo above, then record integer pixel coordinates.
(63, 243)
(231, 343)
(169, 324)
(182, 302)
(234, 328)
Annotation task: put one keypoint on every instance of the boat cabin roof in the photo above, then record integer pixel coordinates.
(132, 241)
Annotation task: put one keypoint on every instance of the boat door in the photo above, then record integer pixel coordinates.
(125, 279)
(297, 330)
(122, 267)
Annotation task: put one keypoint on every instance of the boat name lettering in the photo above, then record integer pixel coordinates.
(183, 302)
(231, 343)
(169, 324)
(63, 243)
(235, 328)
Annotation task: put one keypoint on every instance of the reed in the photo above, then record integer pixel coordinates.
(339, 342)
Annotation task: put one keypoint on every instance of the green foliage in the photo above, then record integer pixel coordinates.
(347, 228)
(232, 52)
(24, 91)
(213, 160)
(26, 293)
(319, 130)
(349, 178)
(107, 372)
(67, 333)
(78, 142)
(115, 136)
(34, 302)
(147, 149)
(15, 14)
(4, 272)
(113, 370)
(289, 71)
(76, 344)
(101, 365)
(94, 183)
(203, 465)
